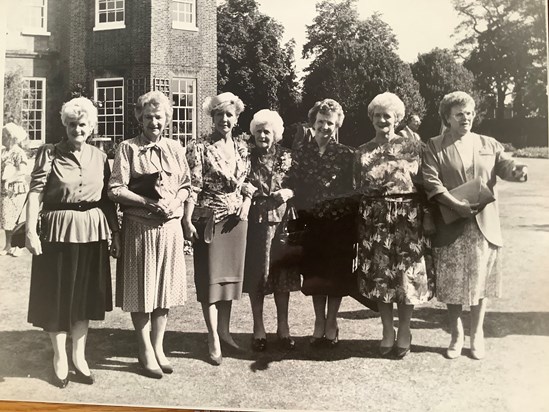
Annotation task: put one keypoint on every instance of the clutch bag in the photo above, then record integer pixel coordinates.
(473, 191)
(203, 219)
(145, 185)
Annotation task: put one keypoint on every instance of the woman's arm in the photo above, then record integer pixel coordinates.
(32, 240)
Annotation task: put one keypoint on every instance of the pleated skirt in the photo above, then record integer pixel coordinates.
(219, 265)
(151, 272)
(70, 282)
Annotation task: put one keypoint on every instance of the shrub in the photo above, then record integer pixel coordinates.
(509, 147)
(533, 152)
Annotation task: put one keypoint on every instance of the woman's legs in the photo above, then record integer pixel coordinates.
(79, 334)
(386, 314)
(282, 301)
(456, 331)
(404, 337)
(331, 331)
(159, 319)
(210, 316)
(60, 360)
(257, 300)
(477, 331)
(141, 323)
(7, 247)
(319, 304)
(224, 322)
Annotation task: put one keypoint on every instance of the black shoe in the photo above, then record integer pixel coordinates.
(60, 383)
(167, 368)
(81, 378)
(215, 360)
(385, 351)
(259, 345)
(315, 342)
(150, 373)
(287, 343)
(332, 343)
(402, 352)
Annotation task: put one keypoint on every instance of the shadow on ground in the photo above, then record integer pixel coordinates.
(28, 353)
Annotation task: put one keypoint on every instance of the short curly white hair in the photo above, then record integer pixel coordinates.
(450, 100)
(156, 99)
(78, 107)
(221, 102)
(390, 102)
(14, 133)
(270, 118)
(326, 106)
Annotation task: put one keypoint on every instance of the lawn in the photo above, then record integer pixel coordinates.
(352, 376)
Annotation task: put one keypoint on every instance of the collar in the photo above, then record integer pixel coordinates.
(160, 146)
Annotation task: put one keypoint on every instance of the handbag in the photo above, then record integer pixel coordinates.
(18, 234)
(145, 185)
(203, 218)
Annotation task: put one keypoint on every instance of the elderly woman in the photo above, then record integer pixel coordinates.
(219, 166)
(151, 180)
(322, 179)
(70, 278)
(466, 251)
(268, 268)
(393, 253)
(14, 183)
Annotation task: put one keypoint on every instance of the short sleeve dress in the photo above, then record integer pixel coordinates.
(13, 193)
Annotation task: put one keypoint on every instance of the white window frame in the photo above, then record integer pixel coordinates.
(36, 30)
(180, 25)
(174, 93)
(25, 108)
(102, 116)
(113, 25)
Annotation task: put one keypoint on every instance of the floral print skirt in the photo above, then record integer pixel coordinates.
(469, 269)
(394, 258)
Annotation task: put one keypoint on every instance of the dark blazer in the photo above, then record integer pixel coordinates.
(443, 170)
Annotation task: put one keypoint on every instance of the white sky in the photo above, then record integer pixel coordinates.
(419, 25)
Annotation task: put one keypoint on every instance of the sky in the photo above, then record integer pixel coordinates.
(419, 25)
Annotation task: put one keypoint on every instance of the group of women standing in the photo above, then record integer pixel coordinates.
(366, 220)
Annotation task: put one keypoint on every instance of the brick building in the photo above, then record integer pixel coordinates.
(112, 51)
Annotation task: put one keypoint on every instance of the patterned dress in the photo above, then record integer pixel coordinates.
(217, 184)
(270, 264)
(151, 270)
(394, 257)
(13, 193)
(323, 187)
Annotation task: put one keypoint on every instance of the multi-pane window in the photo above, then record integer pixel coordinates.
(33, 111)
(184, 14)
(109, 14)
(110, 95)
(183, 93)
(36, 16)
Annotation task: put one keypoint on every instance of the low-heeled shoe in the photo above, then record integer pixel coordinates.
(332, 343)
(287, 342)
(58, 382)
(167, 368)
(315, 342)
(259, 345)
(402, 352)
(80, 377)
(150, 373)
(215, 360)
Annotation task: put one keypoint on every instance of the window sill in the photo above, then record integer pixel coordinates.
(179, 26)
(103, 27)
(35, 32)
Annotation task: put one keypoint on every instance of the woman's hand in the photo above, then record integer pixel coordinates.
(115, 245)
(168, 208)
(465, 209)
(245, 209)
(33, 243)
(283, 195)
(189, 231)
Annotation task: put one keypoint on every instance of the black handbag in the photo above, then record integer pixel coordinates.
(203, 218)
(145, 185)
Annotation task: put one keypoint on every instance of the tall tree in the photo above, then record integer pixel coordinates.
(438, 73)
(353, 61)
(503, 42)
(251, 62)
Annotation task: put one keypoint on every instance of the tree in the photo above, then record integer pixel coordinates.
(13, 96)
(438, 73)
(353, 61)
(251, 62)
(503, 42)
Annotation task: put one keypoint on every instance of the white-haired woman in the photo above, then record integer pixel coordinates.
(393, 253)
(467, 251)
(151, 179)
(267, 268)
(219, 165)
(71, 278)
(14, 182)
(322, 177)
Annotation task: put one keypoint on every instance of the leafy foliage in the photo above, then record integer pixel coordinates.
(13, 96)
(353, 61)
(503, 42)
(252, 63)
(438, 73)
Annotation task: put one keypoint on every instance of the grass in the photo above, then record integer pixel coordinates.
(514, 376)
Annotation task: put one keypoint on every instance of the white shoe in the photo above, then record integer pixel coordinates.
(455, 348)
(16, 251)
(478, 350)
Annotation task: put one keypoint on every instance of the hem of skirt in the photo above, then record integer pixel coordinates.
(474, 302)
(40, 325)
(143, 310)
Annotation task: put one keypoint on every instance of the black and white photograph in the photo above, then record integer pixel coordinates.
(247, 205)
